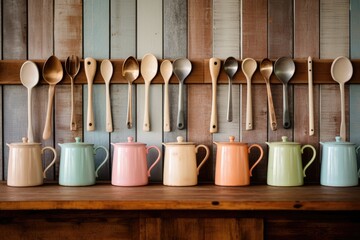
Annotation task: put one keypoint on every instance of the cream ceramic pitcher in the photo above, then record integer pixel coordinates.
(25, 167)
(285, 163)
(232, 163)
(180, 167)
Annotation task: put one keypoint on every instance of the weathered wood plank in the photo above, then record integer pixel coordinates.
(150, 40)
(1, 109)
(97, 45)
(280, 44)
(200, 46)
(175, 46)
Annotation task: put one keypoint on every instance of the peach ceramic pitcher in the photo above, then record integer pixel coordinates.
(25, 166)
(232, 163)
(130, 163)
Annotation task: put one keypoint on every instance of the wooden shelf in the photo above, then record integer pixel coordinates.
(104, 196)
(10, 73)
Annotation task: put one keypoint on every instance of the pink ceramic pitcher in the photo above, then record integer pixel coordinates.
(232, 163)
(130, 163)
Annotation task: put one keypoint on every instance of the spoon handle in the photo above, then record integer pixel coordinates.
(47, 128)
(73, 125)
(214, 65)
(90, 112)
(286, 115)
(166, 108)
(129, 108)
(181, 114)
(109, 125)
(229, 115)
(342, 102)
(311, 98)
(146, 126)
(272, 115)
(249, 119)
(30, 130)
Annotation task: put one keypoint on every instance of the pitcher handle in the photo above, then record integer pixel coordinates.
(156, 161)
(205, 158)
(311, 160)
(52, 161)
(357, 152)
(103, 162)
(260, 157)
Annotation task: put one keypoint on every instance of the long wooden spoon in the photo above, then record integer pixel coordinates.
(52, 74)
(341, 72)
(148, 68)
(29, 76)
(130, 71)
(72, 67)
(90, 70)
(166, 70)
(248, 67)
(214, 65)
(106, 70)
(266, 69)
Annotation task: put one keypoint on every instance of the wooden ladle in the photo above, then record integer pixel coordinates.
(52, 74)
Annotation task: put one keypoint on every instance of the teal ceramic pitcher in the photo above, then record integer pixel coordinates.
(285, 163)
(77, 165)
(338, 164)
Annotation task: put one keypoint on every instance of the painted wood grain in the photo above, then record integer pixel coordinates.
(14, 47)
(97, 45)
(40, 46)
(175, 46)
(1, 110)
(334, 41)
(306, 43)
(150, 40)
(280, 44)
(200, 38)
(123, 45)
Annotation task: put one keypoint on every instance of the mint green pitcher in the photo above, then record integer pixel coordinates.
(285, 163)
(77, 164)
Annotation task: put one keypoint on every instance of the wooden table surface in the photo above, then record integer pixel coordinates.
(104, 196)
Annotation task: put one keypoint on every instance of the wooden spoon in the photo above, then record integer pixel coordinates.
(182, 69)
(72, 67)
(29, 76)
(52, 74)
(166, 70)
(266, 69)
(106, 70)
(248, 67)
(214, 65)
(130, 71)
(90, 70)
(341, 72)
(148, 68)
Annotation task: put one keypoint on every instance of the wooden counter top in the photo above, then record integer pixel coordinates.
(158, 197)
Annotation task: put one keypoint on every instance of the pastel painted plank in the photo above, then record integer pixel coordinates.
(149, 40)
(96, 45)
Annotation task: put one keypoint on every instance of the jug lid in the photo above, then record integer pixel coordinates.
(285, 142)
(76, 143)
(129, 142)
(338, 141)
(180, 141)
(24, 143)
(231, 142)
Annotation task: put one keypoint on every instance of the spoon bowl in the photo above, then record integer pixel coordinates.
(106, 70)
(166, 70)
(182, 69)
(284, 69)
(231, 66)
(341, 72)
(130, 71)
(52, 74)
(248, 67)
(29, 76)
(148, 69)
(72, 67)
(266, 69)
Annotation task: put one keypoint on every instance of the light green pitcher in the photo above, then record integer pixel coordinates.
(285, 163)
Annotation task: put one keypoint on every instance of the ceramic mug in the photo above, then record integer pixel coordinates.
(25, 167)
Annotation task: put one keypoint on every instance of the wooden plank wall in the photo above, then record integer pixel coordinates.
(116, 29)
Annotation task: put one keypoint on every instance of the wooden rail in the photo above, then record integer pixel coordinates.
(10, 73)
